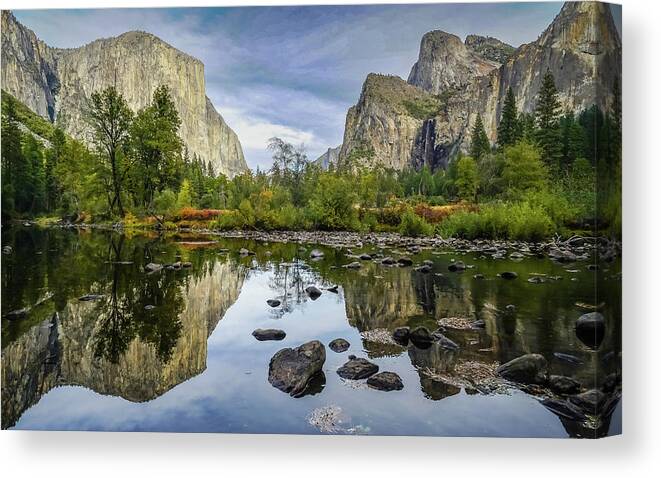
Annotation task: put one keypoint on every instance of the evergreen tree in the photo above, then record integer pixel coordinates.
(12, 155)
(572, 140)
(547, 118)
(479, 140)
(467, 178)
(508, 128)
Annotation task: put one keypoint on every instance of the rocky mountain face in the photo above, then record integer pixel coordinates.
(581, 47)
(57, 83)
(329, 157)
(445, 62)
(489, 48)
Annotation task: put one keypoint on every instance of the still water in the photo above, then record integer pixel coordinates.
(172, 351)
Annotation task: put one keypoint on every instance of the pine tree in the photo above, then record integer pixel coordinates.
(12, 154)
(479, 140)
(508, 128)
(547, 119)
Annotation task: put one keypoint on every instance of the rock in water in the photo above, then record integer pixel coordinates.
(458, 266)
(153, 267)
(444, 342)
(313, 292)
(90, 297)
(291, 369)
(316, 254)
(564, 409)
(421, 336)
(357, 368)
(401, 335)
(425, 269)
(352, 265)
(591, 328)
(527, 369)
(339, 345)
(509, 275)
(403, 261)
(563, 385)
(590, 402)
(386, 381)
(268, 334)
(273, 302)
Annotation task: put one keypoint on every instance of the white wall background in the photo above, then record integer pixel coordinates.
(636, 453)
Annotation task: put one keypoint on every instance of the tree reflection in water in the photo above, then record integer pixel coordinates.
(145, 307)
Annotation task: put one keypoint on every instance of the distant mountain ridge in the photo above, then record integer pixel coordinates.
(56, 83)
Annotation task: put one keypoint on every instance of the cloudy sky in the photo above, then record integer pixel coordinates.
(293, 71)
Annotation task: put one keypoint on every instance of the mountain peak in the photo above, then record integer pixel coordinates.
(444, 62)
(586, 27)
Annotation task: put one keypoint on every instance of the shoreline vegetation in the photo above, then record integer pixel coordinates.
(549, 174)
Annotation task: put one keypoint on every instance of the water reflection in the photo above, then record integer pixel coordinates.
(147, 333)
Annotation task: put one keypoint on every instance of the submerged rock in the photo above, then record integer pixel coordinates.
(563, 385)
(590, 402)
(273, 302)
(509, 275)
(421, 336)
(425, 268)
(153, 267)
(313, 292)
(352, 265)
(564, 409)
(404, 261)
(458, 266)
(385, 381)
(591, 328)
(388, 261)
(365, 257)
(316, 254)
(90, 297)
(527, 369)
(16, 314)
(339, 345)
(291, 369)
(357, 368)
(268, 334)
(332, 289)
(401, 335)
(444, 342)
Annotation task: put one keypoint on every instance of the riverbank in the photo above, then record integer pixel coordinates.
(573, 249)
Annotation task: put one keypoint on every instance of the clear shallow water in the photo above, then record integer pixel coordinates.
(191, 364)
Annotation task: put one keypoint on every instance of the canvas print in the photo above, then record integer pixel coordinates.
(349, 219)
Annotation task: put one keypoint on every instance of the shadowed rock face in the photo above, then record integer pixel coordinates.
(581, 48)
(57, 83)
(64, 350)
(329, 158)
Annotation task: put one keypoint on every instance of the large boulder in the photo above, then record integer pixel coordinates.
(458, 266)
(590, 402)
(591, 328)
(527, 369)
(386, 381)
(401, 335)
(153, 267)
(357, 368)
(291, 369)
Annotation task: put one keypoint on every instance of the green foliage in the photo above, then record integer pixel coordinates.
(184, 198)
(519, 221)
(32, 121)
(332, 206)
(413, 225)
(423, 108)
(467, 178)
(523, 169)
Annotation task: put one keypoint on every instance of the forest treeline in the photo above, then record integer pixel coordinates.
(549, 172)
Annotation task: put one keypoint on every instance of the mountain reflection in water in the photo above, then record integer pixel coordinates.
(143, 337)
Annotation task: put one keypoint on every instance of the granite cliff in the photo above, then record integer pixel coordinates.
(453, 81)
(57, 83)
